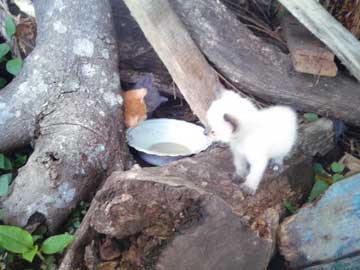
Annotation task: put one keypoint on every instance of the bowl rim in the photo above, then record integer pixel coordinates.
(151, 152)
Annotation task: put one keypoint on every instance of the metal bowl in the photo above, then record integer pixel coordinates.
(181, 138)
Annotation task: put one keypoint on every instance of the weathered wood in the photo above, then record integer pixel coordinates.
(308, 54)
(191, 215)
(188, 67)
(135, 52)
(326, 231)
(351, 162)
(328, 30)
(260, 69)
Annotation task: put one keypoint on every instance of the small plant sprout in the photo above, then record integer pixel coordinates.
(310, 117)
(13, 66)
(19, 241)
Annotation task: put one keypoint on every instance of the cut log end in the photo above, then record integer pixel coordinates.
(308, 54)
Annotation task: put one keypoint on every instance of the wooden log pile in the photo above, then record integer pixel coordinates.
(190, 214)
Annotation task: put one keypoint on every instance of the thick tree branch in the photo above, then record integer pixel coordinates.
(70, 105)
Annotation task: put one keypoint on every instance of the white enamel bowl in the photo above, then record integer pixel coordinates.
(163, 130)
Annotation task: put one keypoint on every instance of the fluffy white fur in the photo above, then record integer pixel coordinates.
(260, 135)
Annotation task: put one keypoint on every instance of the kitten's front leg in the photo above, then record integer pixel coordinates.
(240, 163)
(257, 167)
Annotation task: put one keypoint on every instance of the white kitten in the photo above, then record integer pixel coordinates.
(255, 136)
(228, 103)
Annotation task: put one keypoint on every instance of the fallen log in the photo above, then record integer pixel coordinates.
(324, 235)
(250, 64)
(190, 214)
(260, 69)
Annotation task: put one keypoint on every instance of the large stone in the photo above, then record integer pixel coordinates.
(325, 234)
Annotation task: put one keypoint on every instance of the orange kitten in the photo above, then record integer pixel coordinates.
(134, 107)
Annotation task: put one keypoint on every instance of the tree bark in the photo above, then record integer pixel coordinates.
(259, 69)
(66, 102)
(190, 214)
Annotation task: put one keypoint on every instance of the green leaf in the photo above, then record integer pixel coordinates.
(10, 27)
(15, 239)
(318, 168)
(5, 163)
(289, 207)
(2, 214)
(29, 255)
(20, 160)
(8, 166)
(4, 49)
(13, 66)
(56, 243)
(2, 83)
(2, 161)
(318, 188)
(310, 117)
(337, 167)
(337, 177)
(5, 181)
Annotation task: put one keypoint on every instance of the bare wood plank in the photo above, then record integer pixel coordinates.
(328, 30)
(195, 78)
(308, 54)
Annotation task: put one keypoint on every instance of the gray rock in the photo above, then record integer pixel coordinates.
(327, 231)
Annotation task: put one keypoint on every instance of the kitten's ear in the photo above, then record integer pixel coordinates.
(232, 121)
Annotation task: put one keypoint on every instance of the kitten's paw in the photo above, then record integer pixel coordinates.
(247, 189)
(237, 178)
(277, 168)
(276, 164)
